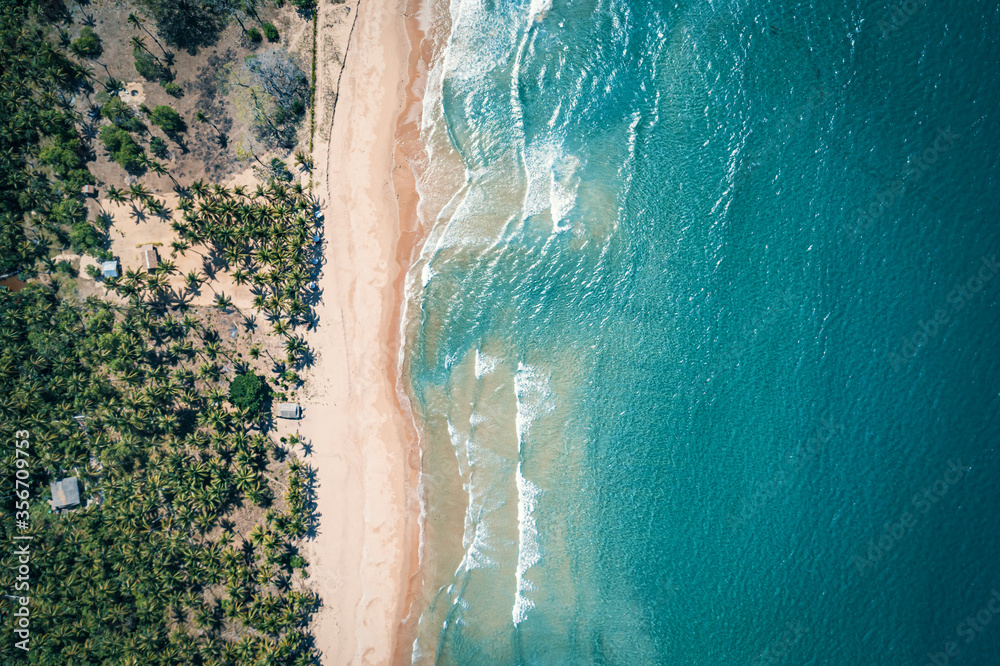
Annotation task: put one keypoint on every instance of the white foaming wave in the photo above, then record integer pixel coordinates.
(486, 364)
(475, 549)
(553, 178)
(426, 273)
(482, 499)
(528, 552)
(539, 8)
(564, 185)
(479, 41)
(533, 398)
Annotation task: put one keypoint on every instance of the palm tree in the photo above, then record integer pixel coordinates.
(303, 161)
(223, 302)
(114, 194)
(139, 24)
(137, 191)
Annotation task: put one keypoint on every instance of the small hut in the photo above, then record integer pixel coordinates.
(88, 190)
(109, 269)
(289, 410)
(65, 493)
(150, 259)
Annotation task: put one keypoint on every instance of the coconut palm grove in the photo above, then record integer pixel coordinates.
(182, 544)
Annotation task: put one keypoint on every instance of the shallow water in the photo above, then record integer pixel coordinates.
(704, 344)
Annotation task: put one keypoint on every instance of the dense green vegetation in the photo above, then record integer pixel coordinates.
(36, 79)
(123, 148)
(249, 392)
(186, 549)
(168, 120)
(188, 24)
(88, 44)
(270, 32)
(149, 66)
(155, 568)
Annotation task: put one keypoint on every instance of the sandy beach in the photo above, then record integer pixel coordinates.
(362, 443)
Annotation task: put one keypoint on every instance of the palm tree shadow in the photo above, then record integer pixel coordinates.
(306, 358)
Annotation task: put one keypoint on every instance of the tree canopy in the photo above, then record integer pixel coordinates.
(88, 44)
(167, 119)
(249, 391)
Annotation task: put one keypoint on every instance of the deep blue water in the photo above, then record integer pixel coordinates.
(705, 351)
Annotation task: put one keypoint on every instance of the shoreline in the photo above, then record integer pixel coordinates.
(356, 418)
(409, 149)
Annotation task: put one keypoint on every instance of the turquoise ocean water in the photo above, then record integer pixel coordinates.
(703, 343)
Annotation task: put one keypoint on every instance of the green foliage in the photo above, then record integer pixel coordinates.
(88, 44)
(305, 6)
(84, 237)
(122, 115)
(34, 76)
(249, 391)
(270, 32)
(123, 580)
(149, 66)
(264, 239)
(63, 155)
(254, 35)
(188, 24)
(158, 147)
(173, 89)
(123, 148)
(168, 120)
(279, 171)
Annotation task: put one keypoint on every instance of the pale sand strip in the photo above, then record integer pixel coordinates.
(361, 439)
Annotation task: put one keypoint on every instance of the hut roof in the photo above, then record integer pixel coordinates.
(289, 410)
(150, 259)
(110, 268)
(65, 493)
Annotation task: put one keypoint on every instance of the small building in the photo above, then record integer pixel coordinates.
(88, 190)
(109, 269)
(318, 214)
(65, 493)
(289, 410)
(150, 259)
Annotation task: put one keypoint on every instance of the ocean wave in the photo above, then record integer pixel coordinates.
(533, 398)
(528, 552)
(486, 364)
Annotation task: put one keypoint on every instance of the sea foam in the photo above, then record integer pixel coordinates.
(534, 399)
